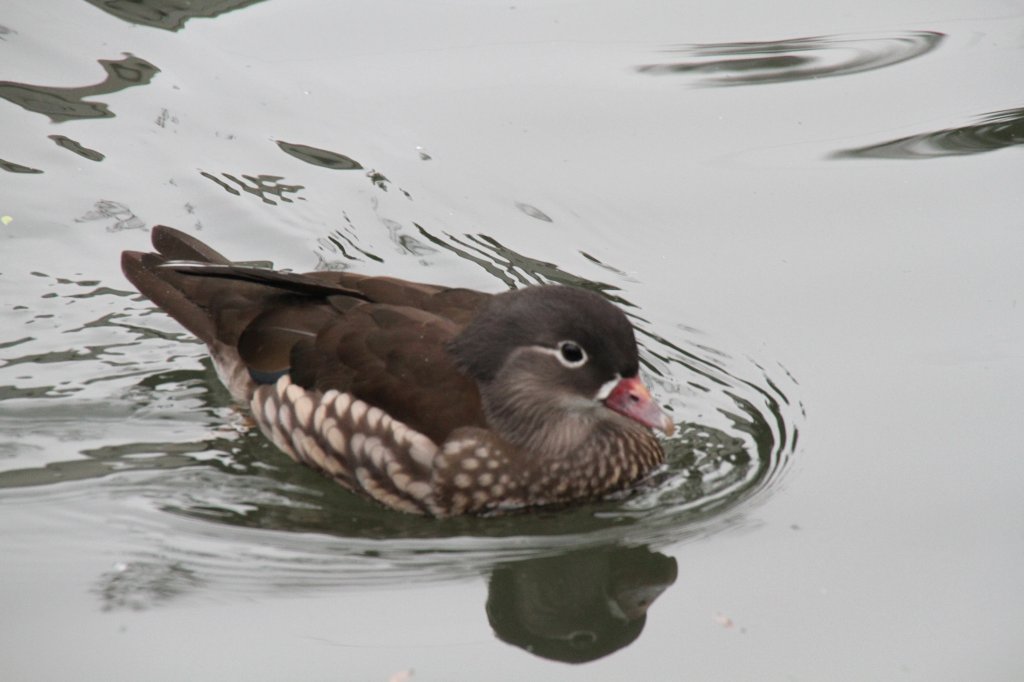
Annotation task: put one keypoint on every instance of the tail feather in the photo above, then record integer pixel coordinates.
(290, 282)
(143, 270)
(211, 297)
(174, 244)
(249, 318)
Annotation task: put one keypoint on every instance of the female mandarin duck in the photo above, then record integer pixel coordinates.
(428, 399)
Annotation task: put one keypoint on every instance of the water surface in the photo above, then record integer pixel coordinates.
(811, 214)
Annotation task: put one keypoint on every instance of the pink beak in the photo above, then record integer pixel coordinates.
(631, 398)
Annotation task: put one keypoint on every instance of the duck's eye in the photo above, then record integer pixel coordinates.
(570, 354)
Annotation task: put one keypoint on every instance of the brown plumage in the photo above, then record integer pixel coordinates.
(428, 399)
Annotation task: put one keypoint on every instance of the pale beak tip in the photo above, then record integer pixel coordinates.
(667, 425)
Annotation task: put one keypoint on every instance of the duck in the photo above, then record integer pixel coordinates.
(431, 400)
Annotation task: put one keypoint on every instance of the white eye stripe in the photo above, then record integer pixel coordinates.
(607, 388)
(561, 351)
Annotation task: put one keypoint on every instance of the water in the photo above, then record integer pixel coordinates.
(811, 214)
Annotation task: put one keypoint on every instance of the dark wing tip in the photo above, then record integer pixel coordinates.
(177, 245)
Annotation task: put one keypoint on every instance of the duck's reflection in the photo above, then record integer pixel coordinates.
(579, 606)
(574, 607)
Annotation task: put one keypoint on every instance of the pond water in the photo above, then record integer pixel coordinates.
(813, 215)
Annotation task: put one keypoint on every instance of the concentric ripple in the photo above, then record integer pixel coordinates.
(992, 131)
(795, 59)
(220, 505)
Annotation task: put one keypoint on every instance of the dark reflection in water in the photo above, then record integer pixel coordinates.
(12, 167)
(326, 158)
(262, 186)
(782, 61)
(77, 148)
(100, 462)
(319, 157)
(579, 606)
(344, 241)
(404, 242)
(379, 180)
(996, 130)
(169, 15)
(511, 268)
(63, 104)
